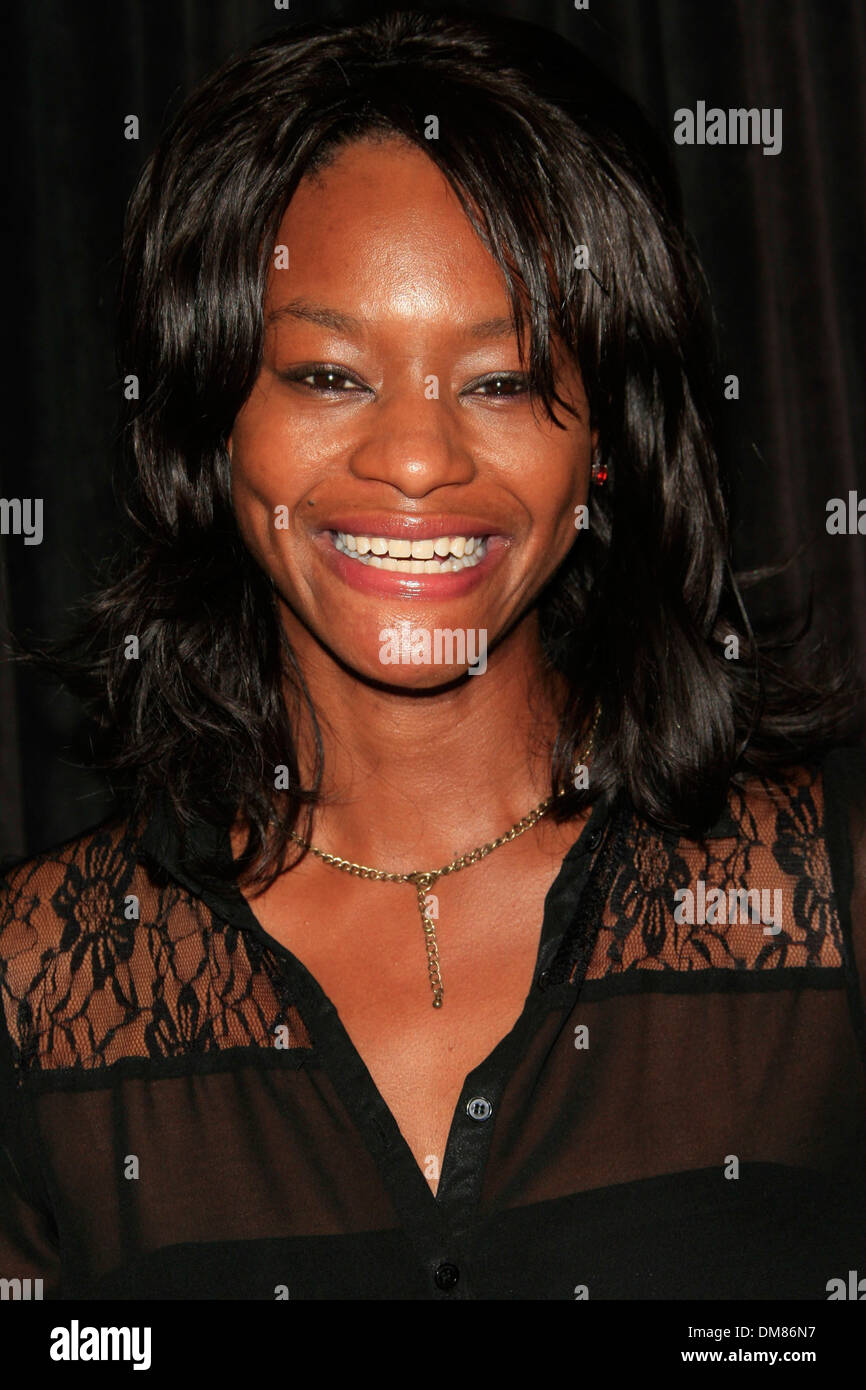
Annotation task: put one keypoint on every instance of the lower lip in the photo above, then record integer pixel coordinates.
(388, 583)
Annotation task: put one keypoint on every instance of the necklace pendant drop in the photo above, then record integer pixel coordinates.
(423, 883)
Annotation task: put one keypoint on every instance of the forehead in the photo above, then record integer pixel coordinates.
(379, 227)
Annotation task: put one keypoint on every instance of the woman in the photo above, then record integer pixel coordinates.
(482, 918)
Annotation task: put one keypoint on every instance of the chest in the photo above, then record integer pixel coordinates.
(364, 944)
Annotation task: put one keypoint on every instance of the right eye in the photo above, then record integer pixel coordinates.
(325, 379)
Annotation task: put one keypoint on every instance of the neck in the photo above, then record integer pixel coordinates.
(413, 778)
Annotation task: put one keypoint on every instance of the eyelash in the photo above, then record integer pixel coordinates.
(300, 376)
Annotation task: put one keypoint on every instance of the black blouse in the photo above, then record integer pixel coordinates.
(679, 1111)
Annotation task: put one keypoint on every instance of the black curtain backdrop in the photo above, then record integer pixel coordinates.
(781, 239)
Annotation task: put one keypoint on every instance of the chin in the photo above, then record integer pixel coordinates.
(402, 679)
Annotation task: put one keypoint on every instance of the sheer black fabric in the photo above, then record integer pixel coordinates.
(679, 1111)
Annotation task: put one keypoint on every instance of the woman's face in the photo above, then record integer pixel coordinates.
(389, 439)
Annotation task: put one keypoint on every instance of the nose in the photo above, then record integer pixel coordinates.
(413, 441)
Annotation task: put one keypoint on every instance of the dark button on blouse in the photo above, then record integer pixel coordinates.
(678, 1112)
(446, 1277)
(479, 1108)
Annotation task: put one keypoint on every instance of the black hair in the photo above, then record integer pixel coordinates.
(546, 156)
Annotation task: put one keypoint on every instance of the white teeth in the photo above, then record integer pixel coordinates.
(444, 555)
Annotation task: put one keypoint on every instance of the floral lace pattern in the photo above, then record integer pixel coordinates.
(778, 848)
(102, 959)
(99, 961)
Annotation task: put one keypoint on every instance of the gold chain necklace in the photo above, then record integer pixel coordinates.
(423, 880)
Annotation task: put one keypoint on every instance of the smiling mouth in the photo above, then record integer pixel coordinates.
(435, 555)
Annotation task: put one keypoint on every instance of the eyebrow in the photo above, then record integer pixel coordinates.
(316, 313)
(348, 324)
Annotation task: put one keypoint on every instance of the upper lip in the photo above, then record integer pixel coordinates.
(391, 525)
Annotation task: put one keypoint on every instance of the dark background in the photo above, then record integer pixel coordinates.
(781, 237)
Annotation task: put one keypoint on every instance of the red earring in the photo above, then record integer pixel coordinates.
(599, 470)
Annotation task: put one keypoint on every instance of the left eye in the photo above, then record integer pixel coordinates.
(500, 386)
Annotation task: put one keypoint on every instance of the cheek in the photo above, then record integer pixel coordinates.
(559, 484)
(257, 494)
(254, 519)
(254, 448)
(260, 468)
(277, 457)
